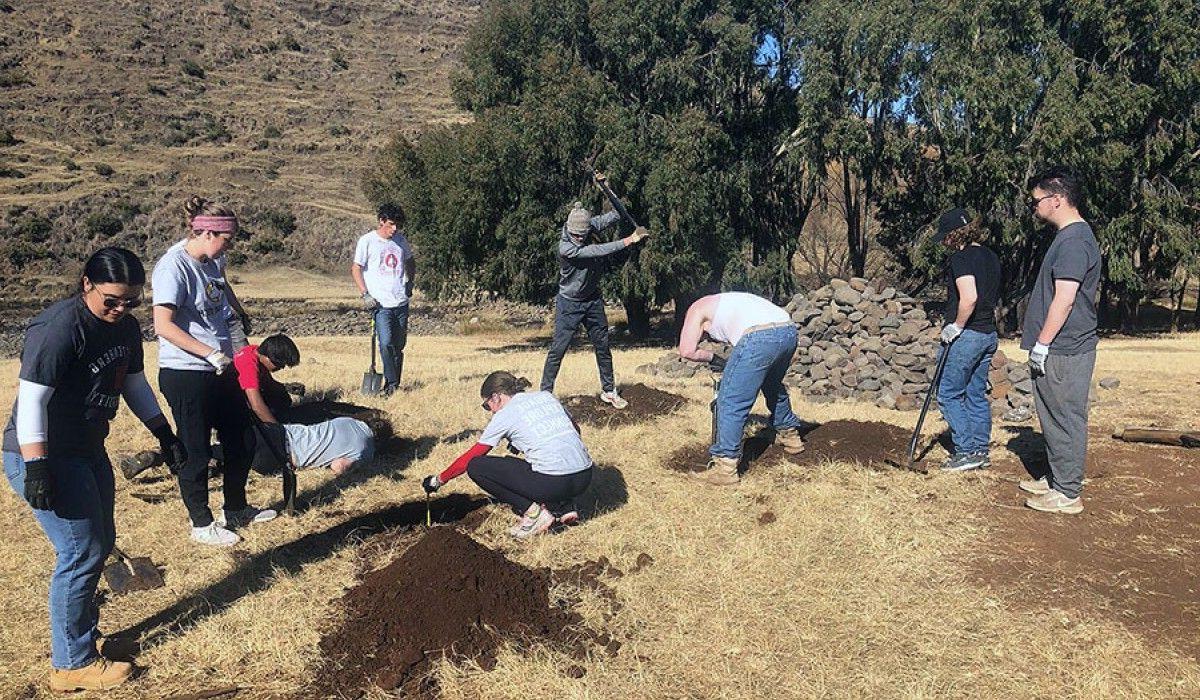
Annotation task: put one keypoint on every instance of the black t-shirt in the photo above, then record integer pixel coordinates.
(982, 263)
(85, 360)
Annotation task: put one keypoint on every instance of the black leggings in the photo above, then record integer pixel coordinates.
(201, 401)
(515, 482)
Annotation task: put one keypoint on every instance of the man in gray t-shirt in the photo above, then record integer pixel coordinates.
(1059, 331)
(341, 444)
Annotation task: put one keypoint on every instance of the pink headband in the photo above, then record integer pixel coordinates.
(217, 224)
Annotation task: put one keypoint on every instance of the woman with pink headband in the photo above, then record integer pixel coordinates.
(192, 317)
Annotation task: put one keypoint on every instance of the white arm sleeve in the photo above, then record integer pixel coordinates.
(140, 397)
(32, 400)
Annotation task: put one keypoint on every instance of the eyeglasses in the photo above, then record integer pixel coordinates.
(111, 301)
(1035, 201)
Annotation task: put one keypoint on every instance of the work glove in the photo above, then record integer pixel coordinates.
(219, 360)
(640, 234)
(431, 484)
(717, 364)
(369, 302)
(1037, 359)
(173, 452)
(39, 484)
(950, 333)
(600, 177)
(247, 327)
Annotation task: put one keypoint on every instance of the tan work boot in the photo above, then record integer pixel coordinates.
(789, 439)
(101, 674)
(722, 471)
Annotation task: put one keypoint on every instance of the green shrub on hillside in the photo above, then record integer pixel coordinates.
(193, 69)
(103, 225)
(7, 138)
(104, 170)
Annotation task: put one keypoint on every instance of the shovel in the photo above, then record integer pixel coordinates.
(937, 378)
(127, 575)
(372, 382)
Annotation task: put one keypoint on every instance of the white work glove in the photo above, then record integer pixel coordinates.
(1037, 359)
(950, 333)
(369, 302)
(219, 360)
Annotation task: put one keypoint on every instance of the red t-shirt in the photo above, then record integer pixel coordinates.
(245, 361)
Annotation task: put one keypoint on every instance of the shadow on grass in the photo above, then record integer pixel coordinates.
(257, 572)
(393, 455)
(607, 492)
(1029, 447)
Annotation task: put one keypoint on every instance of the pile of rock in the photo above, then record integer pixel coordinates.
(672, 366)
(862, 341)
(1010, 388)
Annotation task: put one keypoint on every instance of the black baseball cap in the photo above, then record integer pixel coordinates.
(950, 221)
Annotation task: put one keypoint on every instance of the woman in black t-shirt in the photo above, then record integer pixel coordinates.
(969, 338)
(80, 356)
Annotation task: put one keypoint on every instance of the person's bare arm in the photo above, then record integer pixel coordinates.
(259, 406)
(693, 329)
(356, 273)
(165, 327)
(1060, 309)
(968, 297)
(341, 465)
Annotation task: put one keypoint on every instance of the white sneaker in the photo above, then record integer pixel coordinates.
(214, 534)
(612, 399)
(249, 515)
(532, 523)
(1037, 487)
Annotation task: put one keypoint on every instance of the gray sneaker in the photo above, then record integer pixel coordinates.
(966, 461)
(233, 519)
(1035, 486)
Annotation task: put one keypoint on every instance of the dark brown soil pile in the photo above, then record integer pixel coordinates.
(869, 443)
(645, 403)
(447, 595)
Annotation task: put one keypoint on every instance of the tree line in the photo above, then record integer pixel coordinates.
(725, 124)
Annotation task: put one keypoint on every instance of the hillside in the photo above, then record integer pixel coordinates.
(112, 112)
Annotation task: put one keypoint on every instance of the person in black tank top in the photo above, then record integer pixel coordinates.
(969, 338)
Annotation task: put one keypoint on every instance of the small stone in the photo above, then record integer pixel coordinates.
(886, 400)
(1017, 415)
(906, 402)
(804, 342)
(847, 296)
(870, 385)
(1025, 386)
(999, 359)
(646, 369)
(1109, 383)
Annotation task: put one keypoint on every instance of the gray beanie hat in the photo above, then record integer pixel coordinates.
(579, 220)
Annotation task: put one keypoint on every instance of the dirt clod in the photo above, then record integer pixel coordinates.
(645, 403)
(869, 443)
(446, 596)
(643, 560)
(766, 518)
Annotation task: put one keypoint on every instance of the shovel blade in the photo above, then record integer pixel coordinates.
(139, 574)
(372, 383)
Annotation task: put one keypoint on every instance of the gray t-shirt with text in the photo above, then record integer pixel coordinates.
(1074, 255)
(536, 423)
(320, 444)
(197, 291)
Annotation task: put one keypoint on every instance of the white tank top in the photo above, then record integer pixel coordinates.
(737, 311)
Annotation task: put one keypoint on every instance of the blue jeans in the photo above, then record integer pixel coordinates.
(391, 327)
(82, 531)
(758, 363)
(962, 393)
(568, 314)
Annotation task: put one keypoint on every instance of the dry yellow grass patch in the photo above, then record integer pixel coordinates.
(853, 591)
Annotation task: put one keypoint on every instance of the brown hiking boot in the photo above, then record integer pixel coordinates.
(789, 439)
(722, 471)
(135, 464)
(101, 674)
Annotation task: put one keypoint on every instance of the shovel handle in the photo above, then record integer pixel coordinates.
(937, 378)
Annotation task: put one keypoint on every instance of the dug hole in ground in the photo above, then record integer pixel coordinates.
(818, 578)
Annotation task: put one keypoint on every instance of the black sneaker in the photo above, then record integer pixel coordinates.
(966, 461)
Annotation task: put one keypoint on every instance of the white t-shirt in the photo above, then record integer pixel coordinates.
(537, 424)
(197, 291)
(382, 261)
(737, 311)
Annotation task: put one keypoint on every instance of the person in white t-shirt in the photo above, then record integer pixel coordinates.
(383, 270)
(542, 487)
(763, 339)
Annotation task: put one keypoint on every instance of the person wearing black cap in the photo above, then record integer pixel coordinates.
(969, 338)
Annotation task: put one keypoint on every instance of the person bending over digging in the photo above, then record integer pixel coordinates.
(80, 357)
(581, 262)
(541, 489)
(969, 340)
(763, 339)
(341, 443)
(255, 364)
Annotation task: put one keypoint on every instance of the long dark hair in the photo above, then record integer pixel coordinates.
(503, 383)
(113, 264)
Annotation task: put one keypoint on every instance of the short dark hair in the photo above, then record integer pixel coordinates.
(389, 211)
(1061, 181)
(112, 264)
(503, 383)
(280, 350)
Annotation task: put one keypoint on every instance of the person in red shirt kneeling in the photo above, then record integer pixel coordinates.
(255, 364)
(542, 487)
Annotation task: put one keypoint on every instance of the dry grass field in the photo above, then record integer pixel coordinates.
(868, 583)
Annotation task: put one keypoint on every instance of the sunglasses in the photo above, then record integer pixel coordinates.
(485, 403)
(112, 301)
(1034, 202)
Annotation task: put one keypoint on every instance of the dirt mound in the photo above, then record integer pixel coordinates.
(869, 443)
(447, 595)
(645, 403)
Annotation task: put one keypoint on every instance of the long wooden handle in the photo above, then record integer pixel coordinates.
(1158, 436)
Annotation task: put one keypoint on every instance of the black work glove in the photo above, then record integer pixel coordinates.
(39, 483)
(246, 325)
(717, 364)
(173, 452)
(431, 484)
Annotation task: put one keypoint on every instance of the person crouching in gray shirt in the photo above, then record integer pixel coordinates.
(341, 444)
(1059, 331)
(581, 264)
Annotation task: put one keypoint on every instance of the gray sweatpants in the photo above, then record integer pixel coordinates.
(1062, 406)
